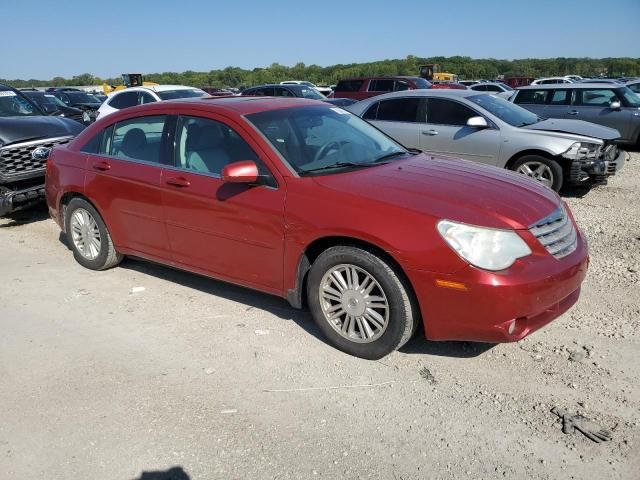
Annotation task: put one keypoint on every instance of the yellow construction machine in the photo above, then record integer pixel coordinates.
(128, 80)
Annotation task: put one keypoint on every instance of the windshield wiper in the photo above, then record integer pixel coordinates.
(389, 155)
(338, 165)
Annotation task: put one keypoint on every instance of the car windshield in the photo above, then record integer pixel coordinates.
(505, 111)
(328, 139)
(42, 99)
(182, 93)
(81, 97)
(632, 98)
(311, 93)
(14, 105)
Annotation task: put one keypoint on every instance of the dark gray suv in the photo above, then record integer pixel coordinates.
(614, 106)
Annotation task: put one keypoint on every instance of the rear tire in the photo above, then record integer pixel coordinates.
(89, 237)
(360, 302)
(545, 170)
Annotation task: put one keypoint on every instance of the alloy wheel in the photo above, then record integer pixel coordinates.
(538, 171)
(85, 234)
(354, 303)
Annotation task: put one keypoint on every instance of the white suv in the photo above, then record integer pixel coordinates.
(130, 97)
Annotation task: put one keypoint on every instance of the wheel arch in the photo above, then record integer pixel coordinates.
(296, 296)
(531, 151)
(64, 202)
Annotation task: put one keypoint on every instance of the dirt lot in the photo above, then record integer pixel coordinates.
(97, 382)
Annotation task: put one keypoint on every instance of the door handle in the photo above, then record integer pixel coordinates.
(573, 112)
(431, 132)
(179, 182)
(101, 166)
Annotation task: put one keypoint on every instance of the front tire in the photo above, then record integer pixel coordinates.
(545, 170)
(360, 302)
(88, 236)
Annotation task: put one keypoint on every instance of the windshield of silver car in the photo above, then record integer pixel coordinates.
(505, 110)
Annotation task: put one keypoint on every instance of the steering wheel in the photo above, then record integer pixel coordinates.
(326, 148)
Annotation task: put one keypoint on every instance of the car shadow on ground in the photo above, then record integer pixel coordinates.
(33, 214)
(281, 308)
(577, 191)
(421, 346)
(251, 298)
(174, 473)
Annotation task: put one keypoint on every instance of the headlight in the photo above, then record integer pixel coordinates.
(583, 151)
(486, 248)
(86, 117)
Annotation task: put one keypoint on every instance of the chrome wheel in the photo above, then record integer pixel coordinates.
(354, 303)
(538, 171)
(85, 234)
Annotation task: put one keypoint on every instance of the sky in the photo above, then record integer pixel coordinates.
(110, 37)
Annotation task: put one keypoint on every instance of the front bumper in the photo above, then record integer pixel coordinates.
(13, 200)
(532, 292)
(597, 170)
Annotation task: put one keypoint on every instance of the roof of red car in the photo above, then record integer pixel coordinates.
(243, 105)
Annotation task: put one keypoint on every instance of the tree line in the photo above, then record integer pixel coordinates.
(465, 67)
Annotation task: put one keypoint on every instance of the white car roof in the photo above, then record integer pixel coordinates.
(155, 88)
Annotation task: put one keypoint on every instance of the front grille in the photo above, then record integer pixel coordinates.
(16, 160)
(556, 233)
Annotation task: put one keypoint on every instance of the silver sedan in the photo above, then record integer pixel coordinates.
(490, 130)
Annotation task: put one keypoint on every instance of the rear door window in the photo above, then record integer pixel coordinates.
(532, 97)
(124, 100)
(401, 85)
(560, 97)
(146, 97)
(349, 85)
(441, 111)
(283, 92)
(381, 85)
(399, 110)
(139, 139)
(100, 144)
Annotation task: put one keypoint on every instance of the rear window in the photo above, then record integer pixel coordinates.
(531, 97)
(381, 85)
(182, 93)
(349, 85)
(399, 110)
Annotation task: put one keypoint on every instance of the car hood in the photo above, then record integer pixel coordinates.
(576, 127)
(450, 188)
(22, 129)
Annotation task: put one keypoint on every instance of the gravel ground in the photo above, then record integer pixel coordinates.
(216, 381)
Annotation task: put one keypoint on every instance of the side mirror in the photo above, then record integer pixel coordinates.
(615, 105)
(244, 171)
(477, 122)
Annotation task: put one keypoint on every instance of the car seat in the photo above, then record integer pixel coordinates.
(134, 144)
(205, 150)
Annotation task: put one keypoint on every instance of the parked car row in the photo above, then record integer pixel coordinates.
(246, 189)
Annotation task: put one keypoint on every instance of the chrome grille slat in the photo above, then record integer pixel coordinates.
(555, 236)
(15, 160)
(556, 233)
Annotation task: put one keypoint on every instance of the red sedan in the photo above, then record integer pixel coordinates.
(308, 202)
